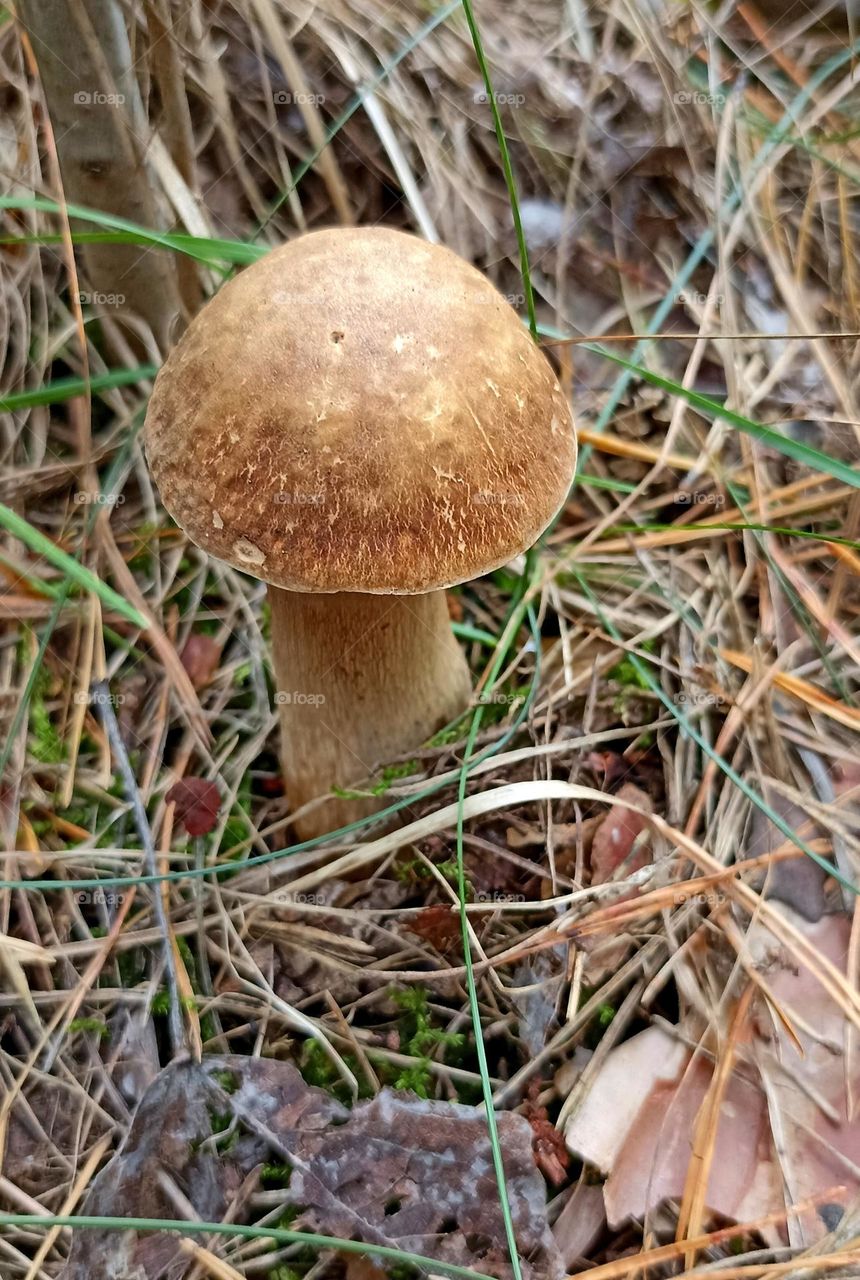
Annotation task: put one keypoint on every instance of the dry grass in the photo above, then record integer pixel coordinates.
(698, 623)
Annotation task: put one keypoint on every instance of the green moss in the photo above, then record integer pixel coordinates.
(391, 773)
(421, 1039)
(628, 675)
(276, 1175)
(228, 1080)
(89, 1024)
(605, 1014)
(45, 743)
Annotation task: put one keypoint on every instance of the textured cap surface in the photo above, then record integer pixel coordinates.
(360, 410)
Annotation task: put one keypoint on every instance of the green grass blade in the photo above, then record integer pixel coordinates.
(208, 249)
(68, 388)
(795, 449)
(507, 167)
(72, 568)
(189, 1227)
(27, 692)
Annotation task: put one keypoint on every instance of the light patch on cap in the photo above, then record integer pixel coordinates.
(217, 521)
(249, 552)
(401, 342)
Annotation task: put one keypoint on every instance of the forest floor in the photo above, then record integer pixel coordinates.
(619, 898)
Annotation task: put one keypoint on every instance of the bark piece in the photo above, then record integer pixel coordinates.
(100, 130)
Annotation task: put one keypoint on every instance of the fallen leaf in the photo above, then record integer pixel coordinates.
(784, 1133)
(799, 882)
(200, 657)
(615, 837)
(438, 925)
(398, 1171)
(534, 994)
(580, 1224)
(197, 803)
(174, 1132)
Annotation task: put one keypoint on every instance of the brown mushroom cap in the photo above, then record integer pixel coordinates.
(360, 410)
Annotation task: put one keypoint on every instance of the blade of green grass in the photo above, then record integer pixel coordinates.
(72, 568)
(208, 249)
(466, 632)
(518, 610)
(507, 168)
(795, 449)
(604, 482)
(27, 692)
(190, 1227)
(68, 388)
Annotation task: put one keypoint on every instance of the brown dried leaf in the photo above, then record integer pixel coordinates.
(200, 657)
(784, 1124)
(550, 1151)
(197, 803)
(615, 837)
(438, 925)
(799, 882)
(580, 1224)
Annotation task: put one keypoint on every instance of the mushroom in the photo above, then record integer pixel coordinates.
(361, 420)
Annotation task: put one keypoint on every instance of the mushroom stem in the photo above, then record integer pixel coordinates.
(360, 680)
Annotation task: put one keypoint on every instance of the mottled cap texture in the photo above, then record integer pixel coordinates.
(360, 410)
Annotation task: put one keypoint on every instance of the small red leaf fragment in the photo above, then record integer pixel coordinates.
(615, 837)
(200, 657)
(197, 803)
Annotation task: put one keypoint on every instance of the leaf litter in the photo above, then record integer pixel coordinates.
(396, 1170)
(787, 1130)
(620, 173)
